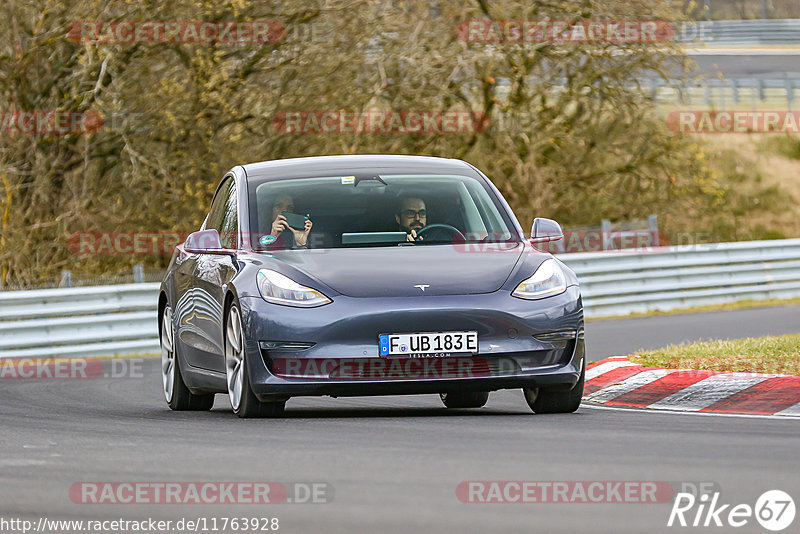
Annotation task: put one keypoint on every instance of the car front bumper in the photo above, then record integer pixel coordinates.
(521, 343)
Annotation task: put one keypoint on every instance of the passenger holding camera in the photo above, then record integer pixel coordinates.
(293, 238)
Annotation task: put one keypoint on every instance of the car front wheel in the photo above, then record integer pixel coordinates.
(243, 401)
(548, 400)
(176, 393)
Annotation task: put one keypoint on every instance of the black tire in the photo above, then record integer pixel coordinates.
(178, 398)
(184, 400)
(248, 406)
(544, 400)
(465, 399)
(251, 408)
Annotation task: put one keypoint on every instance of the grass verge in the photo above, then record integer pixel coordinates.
(772, 354)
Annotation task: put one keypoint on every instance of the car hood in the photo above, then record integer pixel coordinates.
(396, 271)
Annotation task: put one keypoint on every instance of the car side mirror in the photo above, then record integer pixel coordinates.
(544, 230)
(204, 242)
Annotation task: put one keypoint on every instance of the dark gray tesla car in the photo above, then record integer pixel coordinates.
(367, 275)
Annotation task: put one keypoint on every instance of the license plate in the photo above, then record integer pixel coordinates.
(428, 344)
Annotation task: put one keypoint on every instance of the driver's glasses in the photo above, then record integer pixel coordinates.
(413, 213)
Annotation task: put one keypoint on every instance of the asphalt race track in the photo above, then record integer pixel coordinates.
(620, 337)
(394, 462)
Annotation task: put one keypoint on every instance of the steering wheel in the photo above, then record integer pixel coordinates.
(440, 228)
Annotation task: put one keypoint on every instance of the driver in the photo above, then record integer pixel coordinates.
(411, 216)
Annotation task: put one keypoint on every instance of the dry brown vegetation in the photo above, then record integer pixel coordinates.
(572, 137)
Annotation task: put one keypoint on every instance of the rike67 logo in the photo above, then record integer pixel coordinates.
(774, 510)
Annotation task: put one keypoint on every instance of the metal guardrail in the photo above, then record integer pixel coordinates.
(745, 9)
(782, 91)
(619, 283)
(84, 321)
(105, 320)
(725, 92)
(741, 32)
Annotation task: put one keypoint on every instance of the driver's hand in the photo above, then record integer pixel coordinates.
(411, 237)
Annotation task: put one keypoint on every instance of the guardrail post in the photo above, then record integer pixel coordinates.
(66, 279)
(138, 273)
(789, 90)
(605, 232)
(655, 84)
(652, 222)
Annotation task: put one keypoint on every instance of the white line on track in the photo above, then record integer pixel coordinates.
(674, 412)
(791, 410)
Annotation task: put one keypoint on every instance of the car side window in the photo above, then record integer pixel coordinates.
(229, 229)
(218, 206)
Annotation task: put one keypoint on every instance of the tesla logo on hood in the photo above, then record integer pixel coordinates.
(422, 287)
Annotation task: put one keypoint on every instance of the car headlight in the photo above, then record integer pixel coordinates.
(548, 280)
(280, 289)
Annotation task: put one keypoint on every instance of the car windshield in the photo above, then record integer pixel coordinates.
(370, 210)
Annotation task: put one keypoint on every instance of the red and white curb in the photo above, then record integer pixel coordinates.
(619, 382)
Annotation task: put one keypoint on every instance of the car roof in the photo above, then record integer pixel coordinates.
(300, 167)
